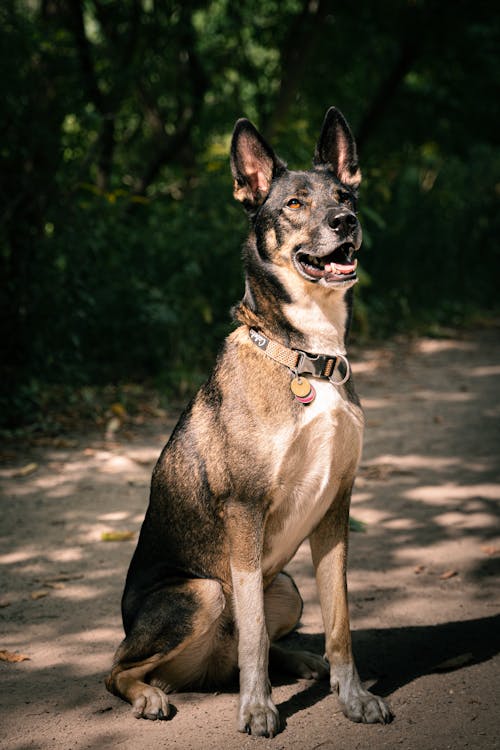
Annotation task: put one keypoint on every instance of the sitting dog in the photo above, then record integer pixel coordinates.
(263, 457)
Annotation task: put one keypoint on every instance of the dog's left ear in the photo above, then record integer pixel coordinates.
(253, 164)
(336, 149)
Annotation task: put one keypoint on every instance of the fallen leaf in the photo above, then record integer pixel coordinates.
(454, 662)
(355, 525)
(419, 569)
(60, 578)
(39, 594)
(141, 461)
(118, 410)
(448, 574)
(4, 603)
(56, 442)
(117, 536)
(24, 471)
(490, 549)
(12, 656)
(379, 472)
(382, 472)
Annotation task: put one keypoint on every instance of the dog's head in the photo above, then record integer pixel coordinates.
(303, 221)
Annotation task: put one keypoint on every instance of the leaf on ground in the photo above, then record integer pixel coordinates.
(448, 574)
(39, 594)
(142, 461)
(4, 603)
(355, 525)
(419, 569)
(383, 472)
(117, 536)
(118, 410)
(60, 578)
(103, 710)
(490, 549)
(454, 662)
(24, 471)
(56, 442)
(379, 472)
(12, 656)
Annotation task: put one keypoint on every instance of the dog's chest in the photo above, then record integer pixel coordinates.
(312, 459)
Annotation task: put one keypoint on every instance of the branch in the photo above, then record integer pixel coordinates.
(106, 139)
(188, 114)
(299, 43)
(84, 55)
(418, 29)
(125, 45)
(383, 98)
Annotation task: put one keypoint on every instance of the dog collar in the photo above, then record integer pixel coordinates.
(300, 362)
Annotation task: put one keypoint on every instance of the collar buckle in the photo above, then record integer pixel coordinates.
(319, 365)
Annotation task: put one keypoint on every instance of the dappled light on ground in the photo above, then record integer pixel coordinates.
(423, 576)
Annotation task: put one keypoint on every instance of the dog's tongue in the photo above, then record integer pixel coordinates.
(338, 268)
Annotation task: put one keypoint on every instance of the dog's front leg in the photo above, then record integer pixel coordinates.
(329, 552)
(257, 714)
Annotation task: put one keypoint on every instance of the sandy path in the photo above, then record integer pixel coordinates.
(424, 593)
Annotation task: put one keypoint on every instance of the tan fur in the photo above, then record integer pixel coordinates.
(250, 472)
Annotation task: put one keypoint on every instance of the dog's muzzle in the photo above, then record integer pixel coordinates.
(333, 258)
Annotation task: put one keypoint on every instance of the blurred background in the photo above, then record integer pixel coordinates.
(120, 241)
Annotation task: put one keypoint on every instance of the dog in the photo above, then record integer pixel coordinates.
(264, 457)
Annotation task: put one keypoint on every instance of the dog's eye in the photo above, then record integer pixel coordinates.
(343, 196)
(294, 203)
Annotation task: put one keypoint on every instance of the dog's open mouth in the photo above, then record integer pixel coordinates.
(338, 265)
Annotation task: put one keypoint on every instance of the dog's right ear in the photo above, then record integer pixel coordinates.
(253, 164)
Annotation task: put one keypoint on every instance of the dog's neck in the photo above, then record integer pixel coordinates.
(316, 320)
(322, 317)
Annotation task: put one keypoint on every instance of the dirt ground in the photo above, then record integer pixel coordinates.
(424, 577)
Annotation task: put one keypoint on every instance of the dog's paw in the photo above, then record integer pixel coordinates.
(363, 706)
(152, 703)
(357, 703)
(300, 663)
(309, 665)
(259, 718)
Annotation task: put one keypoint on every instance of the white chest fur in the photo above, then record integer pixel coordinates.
(312, 461)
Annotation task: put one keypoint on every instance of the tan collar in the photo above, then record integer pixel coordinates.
(300, 362)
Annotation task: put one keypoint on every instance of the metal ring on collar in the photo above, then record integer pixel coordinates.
(347, 371)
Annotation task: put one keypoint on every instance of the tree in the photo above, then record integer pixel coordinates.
(116, 247)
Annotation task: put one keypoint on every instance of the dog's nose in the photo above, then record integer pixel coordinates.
(343, 222)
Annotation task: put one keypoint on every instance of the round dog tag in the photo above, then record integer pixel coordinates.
(307, 399)
(300, 387)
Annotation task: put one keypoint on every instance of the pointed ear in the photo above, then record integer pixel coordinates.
(253, 164)
(336, 149)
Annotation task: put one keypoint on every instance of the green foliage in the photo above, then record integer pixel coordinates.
(120, 241)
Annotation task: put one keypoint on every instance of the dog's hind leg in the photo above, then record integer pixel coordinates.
(283, 607)
(168, 645)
